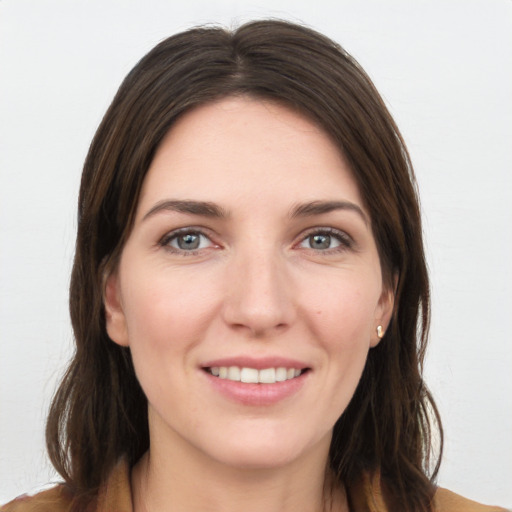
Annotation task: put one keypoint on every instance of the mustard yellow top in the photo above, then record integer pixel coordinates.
(115, 496)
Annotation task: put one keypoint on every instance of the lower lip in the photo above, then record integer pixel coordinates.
(257, 394)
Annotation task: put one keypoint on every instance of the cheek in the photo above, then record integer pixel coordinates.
(164, 318)
(342, 313)
(164, 305)
(168, 312)
(343, 323)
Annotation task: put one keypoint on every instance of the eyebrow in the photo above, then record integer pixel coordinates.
(321, 207)
(212, 210)
(202, 208)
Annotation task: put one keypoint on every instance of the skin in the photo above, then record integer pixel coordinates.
(258, 285)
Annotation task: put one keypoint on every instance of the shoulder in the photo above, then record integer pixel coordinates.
(447, 501)
(113, 495)
(56, 499)
(368, 492)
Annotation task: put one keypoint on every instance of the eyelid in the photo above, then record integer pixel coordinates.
(165, 240)
(346, 241)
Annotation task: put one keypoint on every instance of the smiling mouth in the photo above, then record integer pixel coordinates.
(254, 375)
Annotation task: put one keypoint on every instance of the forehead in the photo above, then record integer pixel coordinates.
(247, 148)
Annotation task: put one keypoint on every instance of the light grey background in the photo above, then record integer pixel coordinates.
(444, 68)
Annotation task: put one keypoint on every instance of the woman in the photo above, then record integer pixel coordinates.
(249, 294)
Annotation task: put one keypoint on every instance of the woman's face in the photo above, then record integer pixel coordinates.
(250, 289)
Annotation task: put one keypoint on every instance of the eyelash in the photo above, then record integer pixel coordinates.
(166, 240)
(345, 241)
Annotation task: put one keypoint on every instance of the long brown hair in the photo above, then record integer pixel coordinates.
(99, 413)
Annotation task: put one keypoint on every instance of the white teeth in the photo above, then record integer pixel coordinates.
(281, 374)
(234, 373)
(267, 376)
(254, 376)
(249, 375)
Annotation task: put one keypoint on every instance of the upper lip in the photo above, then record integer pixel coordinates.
(257, 363)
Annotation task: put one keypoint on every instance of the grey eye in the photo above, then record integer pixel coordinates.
(320, 242)
(188, 241)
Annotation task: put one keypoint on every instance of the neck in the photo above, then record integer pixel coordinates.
(170, 480)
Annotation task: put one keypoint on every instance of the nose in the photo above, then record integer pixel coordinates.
(259, 297)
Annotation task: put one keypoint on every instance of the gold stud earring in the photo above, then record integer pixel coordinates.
(380, 332)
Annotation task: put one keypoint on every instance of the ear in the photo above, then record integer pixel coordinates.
(114, 314)
(383, 312)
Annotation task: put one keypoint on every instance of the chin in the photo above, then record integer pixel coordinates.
(258, 459)
(267, 452)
